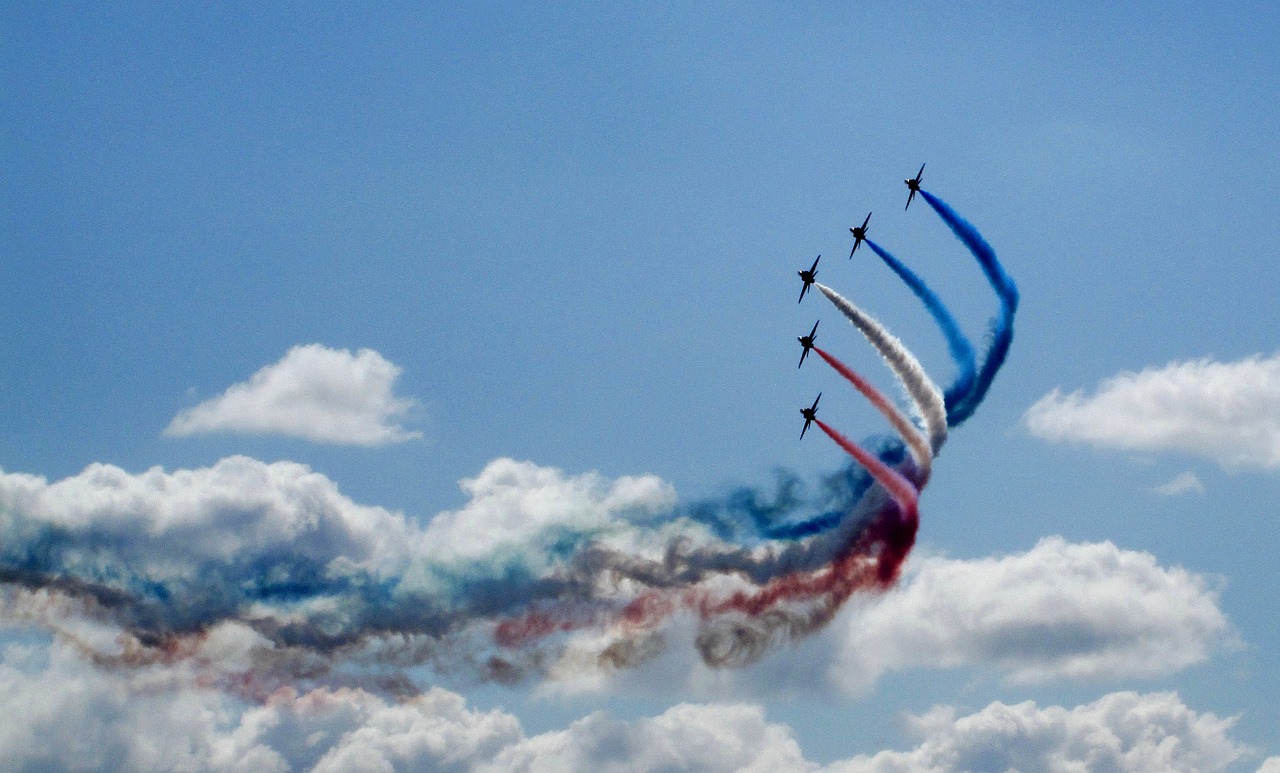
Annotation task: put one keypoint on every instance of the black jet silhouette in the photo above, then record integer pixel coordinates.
(808, 277)
(859, 233)
(914, 185)
(806, 342)
(809, 414)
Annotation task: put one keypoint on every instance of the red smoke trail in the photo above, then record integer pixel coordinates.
(919, 446)
(903, 492)
(641, 613)
(898, 538)
(513, 632)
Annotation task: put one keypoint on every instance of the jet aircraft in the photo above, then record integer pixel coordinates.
(859, 233)
(806, 343)
(808, 277)
(809, 414)
(914, 185)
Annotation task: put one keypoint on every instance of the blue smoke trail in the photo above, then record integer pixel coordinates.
(749, 513)
(1001, 336)
(853, 481)
(959, 346)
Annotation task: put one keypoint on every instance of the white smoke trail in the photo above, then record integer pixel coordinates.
(920, 388)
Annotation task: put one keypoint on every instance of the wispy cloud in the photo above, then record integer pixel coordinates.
(1186, 483)
(1228, 412)
(313, 392)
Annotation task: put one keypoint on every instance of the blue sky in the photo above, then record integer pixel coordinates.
(572, 233)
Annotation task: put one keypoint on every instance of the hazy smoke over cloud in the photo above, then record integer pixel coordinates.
(266, 574)
(1083, 613)
(1228, 412)
(313, 392)
(316, 583)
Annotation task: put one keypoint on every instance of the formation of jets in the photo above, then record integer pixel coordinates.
(809, 277)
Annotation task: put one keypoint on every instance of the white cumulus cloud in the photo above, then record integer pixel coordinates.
(1059, 611)
(238, 512)
(313, 392)
(512, 502)
(1227, 412)
(1123, 732)
(733, 738)
(248, 513)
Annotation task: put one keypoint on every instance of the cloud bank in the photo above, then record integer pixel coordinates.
(253, 550)
(63, 715)
(1227, 412)
(313, 392)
